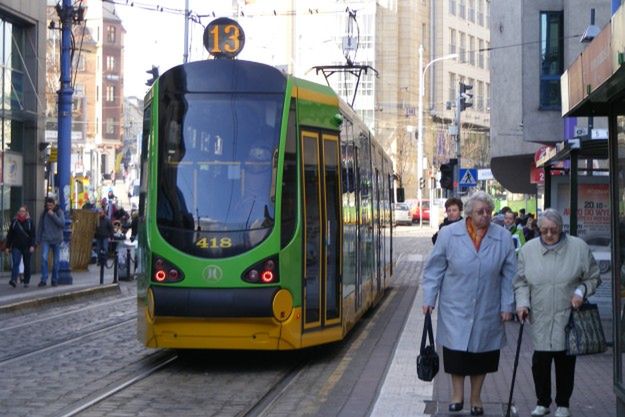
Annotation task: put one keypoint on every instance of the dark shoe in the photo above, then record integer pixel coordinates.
(25, 285)
(456, 406)
(12, 283)
(54, 284)
(477, 410)
(41, 284)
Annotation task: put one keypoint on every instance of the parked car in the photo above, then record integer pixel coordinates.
(401, 213)
(425, 209)
(600, 247)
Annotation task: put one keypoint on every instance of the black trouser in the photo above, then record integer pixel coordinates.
(565, 373)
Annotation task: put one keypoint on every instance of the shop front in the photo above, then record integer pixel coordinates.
(593, 86)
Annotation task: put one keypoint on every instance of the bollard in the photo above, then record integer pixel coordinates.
(115, 266)
(102, 261)
(128, 264)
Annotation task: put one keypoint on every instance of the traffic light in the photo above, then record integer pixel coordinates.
(154, 72)
(466, 99)
(422, 183)
(447, 176)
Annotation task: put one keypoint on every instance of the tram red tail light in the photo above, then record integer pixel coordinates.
(165, 271)
(264, 272)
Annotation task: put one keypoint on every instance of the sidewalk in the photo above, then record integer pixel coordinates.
(85, 283)
(403, 394)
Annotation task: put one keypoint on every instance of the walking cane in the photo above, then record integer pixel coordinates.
(516, 364)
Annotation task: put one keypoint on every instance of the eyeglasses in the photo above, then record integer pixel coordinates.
(483, 212)
(549, 230)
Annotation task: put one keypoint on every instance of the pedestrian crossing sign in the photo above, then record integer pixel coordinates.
(468, 177)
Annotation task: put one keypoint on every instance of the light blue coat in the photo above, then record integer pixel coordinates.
(473, 288)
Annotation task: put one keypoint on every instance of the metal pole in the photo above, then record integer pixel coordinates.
(185, 55)
(420, 135)
(420, 138)
(457, 166)
(65, 93)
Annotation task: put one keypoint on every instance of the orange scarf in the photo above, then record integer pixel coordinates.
(476, 235)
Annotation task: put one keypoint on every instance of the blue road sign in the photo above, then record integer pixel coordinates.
(468, 177)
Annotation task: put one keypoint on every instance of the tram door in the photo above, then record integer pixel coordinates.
(322, 241)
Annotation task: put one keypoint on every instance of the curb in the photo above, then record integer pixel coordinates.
(106, 289)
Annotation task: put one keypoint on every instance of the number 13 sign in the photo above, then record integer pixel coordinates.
(224, 38)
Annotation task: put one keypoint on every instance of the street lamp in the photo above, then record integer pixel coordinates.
(422, 71)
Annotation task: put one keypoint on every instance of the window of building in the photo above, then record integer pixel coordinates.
(462, 8)
(452, 87)
(110, 93)
(462, 50)
(110, 34)
(471, 11)
(551, 59)
(452, 41)
(452, 7)
(480, 54)
(487, 14)
(109, 126)
(479, 96)
(80, 62)
(480, 13)
(487, 91)
(79, 90)
(487, 55)
(110, 63)
(471, 50)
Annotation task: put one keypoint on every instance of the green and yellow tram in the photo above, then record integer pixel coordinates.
(265, 211)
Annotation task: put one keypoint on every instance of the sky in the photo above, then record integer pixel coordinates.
(157, 38)
(154, 38)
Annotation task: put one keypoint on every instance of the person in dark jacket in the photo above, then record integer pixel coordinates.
(103, 235)
(50, 236)
(453, 207)
(21, 242)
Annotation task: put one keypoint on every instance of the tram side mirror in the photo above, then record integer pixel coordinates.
(400, 195)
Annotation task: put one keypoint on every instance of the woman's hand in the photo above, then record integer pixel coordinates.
(576, 301)
(31, 249)
(522, 313)
(427, 309)
(506, 316)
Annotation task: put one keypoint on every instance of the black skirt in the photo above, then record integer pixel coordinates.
(469, 363)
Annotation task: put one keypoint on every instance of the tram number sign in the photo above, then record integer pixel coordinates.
(224, 38)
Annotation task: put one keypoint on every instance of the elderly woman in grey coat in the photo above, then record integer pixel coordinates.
(470, 271)
(554, 274)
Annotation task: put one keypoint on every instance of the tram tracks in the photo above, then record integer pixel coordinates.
(144, 368)
(8, 359)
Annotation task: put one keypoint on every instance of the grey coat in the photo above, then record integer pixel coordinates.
(473, 288)
(545, 283)
(50, 228)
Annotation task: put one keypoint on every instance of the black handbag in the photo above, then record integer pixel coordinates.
(427, 361)
(584, 334)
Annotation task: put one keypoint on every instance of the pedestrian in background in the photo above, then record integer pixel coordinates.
(21, 242)
(555, 273)
(50, 236)
(103, 235)
(509, 222)
(470, 270)
(453, 208)
(530, 231)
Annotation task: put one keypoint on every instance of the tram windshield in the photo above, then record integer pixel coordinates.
(217, 167)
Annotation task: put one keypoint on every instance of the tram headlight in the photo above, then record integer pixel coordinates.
(263, 272)
(164, 271)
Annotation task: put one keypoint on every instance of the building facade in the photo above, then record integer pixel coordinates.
(22, 62)
(532, 43)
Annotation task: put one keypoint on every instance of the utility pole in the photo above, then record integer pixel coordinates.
(67, 15)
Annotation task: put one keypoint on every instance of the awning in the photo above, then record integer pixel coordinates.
(587, 149)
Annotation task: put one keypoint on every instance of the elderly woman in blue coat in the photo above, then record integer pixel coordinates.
(470, 271)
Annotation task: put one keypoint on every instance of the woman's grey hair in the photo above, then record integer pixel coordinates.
(552, 215)
(480, 196)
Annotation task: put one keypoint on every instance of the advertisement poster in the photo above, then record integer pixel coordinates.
(593, 208)
(593, 225)
(12, 173)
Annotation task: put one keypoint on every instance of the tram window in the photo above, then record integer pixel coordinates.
(289, 181)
